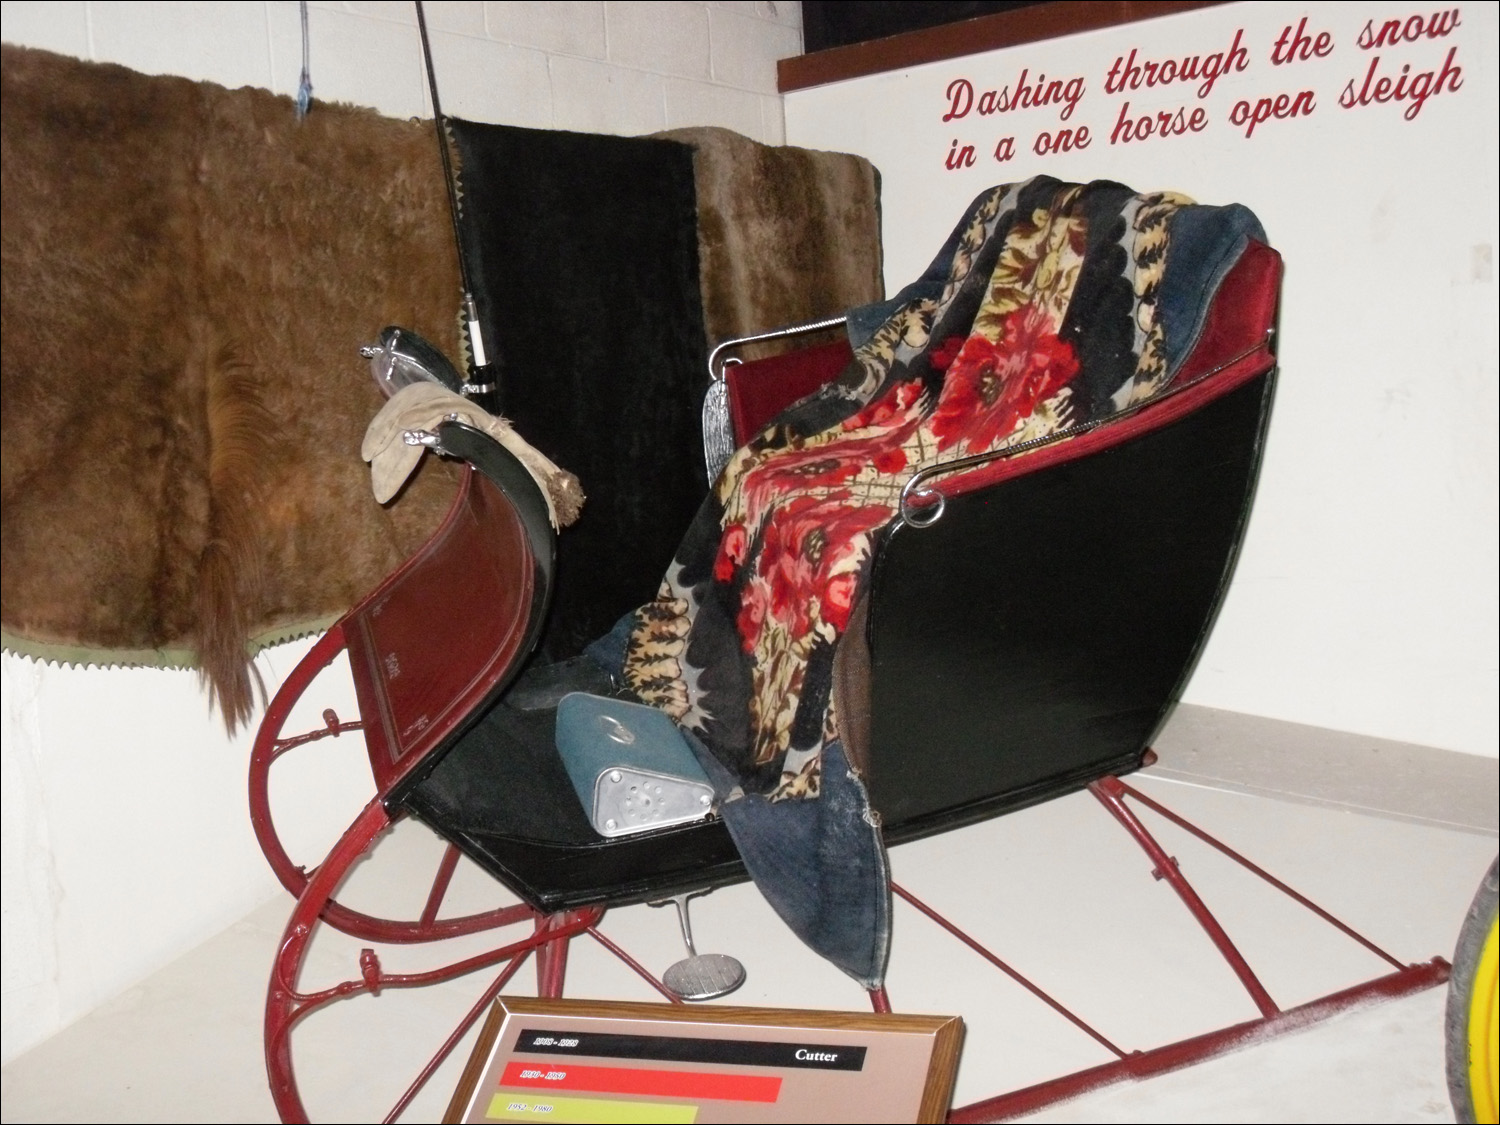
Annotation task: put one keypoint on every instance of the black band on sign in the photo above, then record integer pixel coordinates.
(669, 1048)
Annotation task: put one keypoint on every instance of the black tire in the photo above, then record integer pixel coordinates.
(1471, 1080)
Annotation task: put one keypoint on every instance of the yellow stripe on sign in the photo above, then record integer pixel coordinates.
(524, 1107)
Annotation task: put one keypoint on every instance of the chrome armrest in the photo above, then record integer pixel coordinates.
(716, 369)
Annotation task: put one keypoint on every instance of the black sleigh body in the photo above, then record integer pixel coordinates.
(1032, 618)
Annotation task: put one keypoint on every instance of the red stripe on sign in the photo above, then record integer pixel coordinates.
(661, 1083)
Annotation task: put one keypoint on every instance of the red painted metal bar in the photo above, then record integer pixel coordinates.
(1174, 1056)
(552, 952)
(1036, 991)
(641, 971)
(332, 727)
(1110, 792)
(285, 1006)
(1254, 868)
(445, 871)
(484, 1001)
(282, 1007)
(266, 750)
(880, 1000)
(294, 877)
(373, 978)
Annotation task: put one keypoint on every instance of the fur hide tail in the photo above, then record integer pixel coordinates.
(231, 567)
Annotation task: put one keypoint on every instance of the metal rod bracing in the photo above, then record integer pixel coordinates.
(442, 136)
(1174, 1056)
(1110, 793)
(1256, 869)
(631, 963)
(715, 372)
(1040, 993)
(440, 885)
(472, 1016)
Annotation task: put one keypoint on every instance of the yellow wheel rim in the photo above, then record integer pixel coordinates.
(1484, 1029)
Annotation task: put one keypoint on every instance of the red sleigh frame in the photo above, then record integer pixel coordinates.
(549, 937)
(420, 695)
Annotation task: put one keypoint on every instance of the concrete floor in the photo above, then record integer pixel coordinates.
(1057, 890)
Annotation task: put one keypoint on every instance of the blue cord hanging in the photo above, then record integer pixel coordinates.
(304, 87)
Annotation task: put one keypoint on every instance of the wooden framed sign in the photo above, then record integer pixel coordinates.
(588, 1061)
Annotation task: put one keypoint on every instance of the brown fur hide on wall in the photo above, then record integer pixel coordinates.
(186, 274)
(784, 234)
(187, 277)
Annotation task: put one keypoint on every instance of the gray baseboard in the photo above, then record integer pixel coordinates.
(1289, 761)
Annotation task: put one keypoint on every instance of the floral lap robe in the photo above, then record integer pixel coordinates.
(1051, 305)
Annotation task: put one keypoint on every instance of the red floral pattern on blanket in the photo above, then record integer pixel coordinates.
(991, 387)
(780, 550)
(802, 575)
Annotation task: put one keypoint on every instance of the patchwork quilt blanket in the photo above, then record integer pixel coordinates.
(1051, 305)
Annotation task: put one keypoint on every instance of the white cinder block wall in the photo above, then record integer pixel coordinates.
(125, 828)
(624, 66)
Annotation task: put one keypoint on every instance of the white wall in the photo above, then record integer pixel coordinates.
(1366, 597)
(621, 67)
(1366, 600)
(125, 829)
